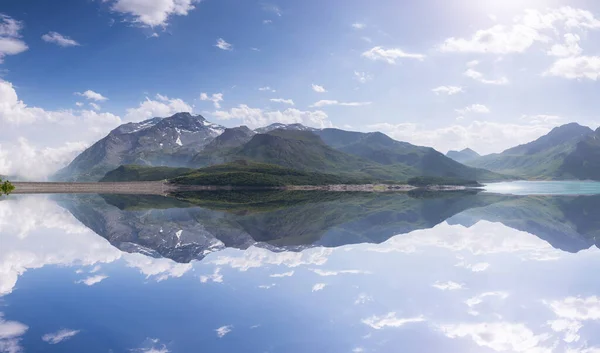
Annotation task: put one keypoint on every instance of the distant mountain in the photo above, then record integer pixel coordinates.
(567, 152)
(462, 156)
(171, 141)
(186, 141)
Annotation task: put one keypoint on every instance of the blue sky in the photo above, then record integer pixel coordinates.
(448, 74)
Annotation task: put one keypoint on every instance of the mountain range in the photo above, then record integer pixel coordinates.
(569, 151)
(463, 156)
(187, 141)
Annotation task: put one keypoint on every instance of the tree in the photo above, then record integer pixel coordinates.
(6, 187)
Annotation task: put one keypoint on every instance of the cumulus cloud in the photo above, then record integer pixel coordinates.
(576, 67)
(569, 48)
(91, 95)
(223, 330)
(499, 336)
(362, 77)
(282, 101)
(363, 299)
(474, 108)
(256, 117)
(319, 287)
(215, 98)
(359, 25)
(318, 89)
(255, 257)
(390, 55)
(90, 281)
(161, 107)
(223, 45)
(449, 90)
(478, 76)
(10, 37)
(532, 27)
(483, 136)
(10, 335)
(152, 12)
(94, 106)
(59, 39)
(59, 336)
(390, 320)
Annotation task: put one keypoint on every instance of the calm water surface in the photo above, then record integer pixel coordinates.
(545, 187)
(300, 272)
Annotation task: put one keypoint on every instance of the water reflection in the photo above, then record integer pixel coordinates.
(461, 272)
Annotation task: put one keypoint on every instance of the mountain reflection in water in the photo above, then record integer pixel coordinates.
(299, 272)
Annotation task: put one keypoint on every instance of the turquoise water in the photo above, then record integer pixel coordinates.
(545, 188)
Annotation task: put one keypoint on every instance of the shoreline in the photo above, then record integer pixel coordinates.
(164, 188)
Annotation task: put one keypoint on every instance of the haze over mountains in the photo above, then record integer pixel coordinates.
(183, 140)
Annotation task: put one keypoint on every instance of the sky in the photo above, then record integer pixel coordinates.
(448, 74)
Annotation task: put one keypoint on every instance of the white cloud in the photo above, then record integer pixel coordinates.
(570, 48)
(499, 336)
(363, 299)
(223, 330)
(526, 30)
(390, 320)
(90, 281)
(318, 89)
(324, 273)
(94, 106)
(59, 336)
(255, 117)
(153, 12)
(496, 40)
(255, 257)
(215, 98)
(91, 95)
(478, 299)
(577, 308)
(10, 335)
(483, 136)
(285, 274)
(267, 286)
(267, 22)
(478, 76)
(282, 101)
(272, 8)
(159, 269)
(542, 119)
(59, 39)
(577, 67)
(448, 285)
(569, 327)
(216, 276)
(323, 103)
(478, 267)
(79, 104)
(390, 55)
(359, 25)
(362, 77)
(474, 108)
(449, 90)
(162, 107)
(10, 42)
(319, 287)
(223, 45)
(266, 88)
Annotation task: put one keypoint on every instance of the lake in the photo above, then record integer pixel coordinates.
(300, 272)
